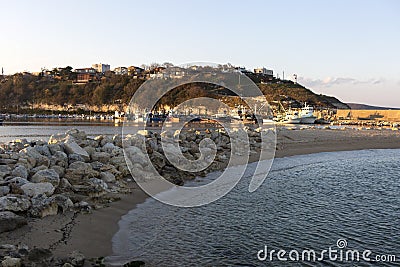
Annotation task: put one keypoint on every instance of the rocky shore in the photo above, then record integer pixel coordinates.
(61, 196)
(72, 173)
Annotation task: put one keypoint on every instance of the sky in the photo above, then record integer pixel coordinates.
(348, 49)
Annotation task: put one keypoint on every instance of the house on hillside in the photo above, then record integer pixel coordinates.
(264, 71)
(136, 72)
(156, 73)
(85, 75)
(121, 71)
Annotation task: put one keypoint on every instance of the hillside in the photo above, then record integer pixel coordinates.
(290, 91)
(20, 91)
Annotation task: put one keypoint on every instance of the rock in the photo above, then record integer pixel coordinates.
(102, 157)
(93, 188)
(40, 255)
(48, 175)
(77, 135)
(109, 147)
(35, 158)
(23, 161)
(107, 177)
(96, 165)
(4, 171)
(8, 161)
(152, 143)
(42, 207)
(6, 250)
(36, 169)
(79, 171)
(135, 155)
(43, 150)
(64, 203)
(77, 258)
(158, 160)
(11, 262)
(104, 140)
(65, 186)
(145, 133)
(4, 190)
(19, 181)
(20, 171)
(35, 189)
(71, 147)
(74, 158)
(117, 140)
(14, 203)
(58, 138)
(83, 206)
(118, 161)
(90, 150)
(98, 184)
(59, 158)
(53, 148)
(59, 170)
(9, 221)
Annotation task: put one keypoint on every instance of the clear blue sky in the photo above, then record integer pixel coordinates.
(349, 49)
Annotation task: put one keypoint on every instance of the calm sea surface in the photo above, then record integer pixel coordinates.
(43, 129)
(307, 202)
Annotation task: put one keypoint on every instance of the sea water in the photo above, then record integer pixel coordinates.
(308, 202)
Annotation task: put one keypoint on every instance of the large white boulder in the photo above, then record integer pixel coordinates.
(47, 175)
(35, 189)
(71, 147)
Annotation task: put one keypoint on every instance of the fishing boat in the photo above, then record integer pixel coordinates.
(307, 115)
(291, 117)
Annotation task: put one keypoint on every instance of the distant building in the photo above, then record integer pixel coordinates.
(135, 71)
(157, 73)
(101, 67)
(85, 75)
(121, 70)
(264, 71)
(241, 69)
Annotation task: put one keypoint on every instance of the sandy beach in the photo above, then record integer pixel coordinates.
(92, 233)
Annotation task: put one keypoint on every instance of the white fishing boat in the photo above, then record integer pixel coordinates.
(291, 117)
(307, 115)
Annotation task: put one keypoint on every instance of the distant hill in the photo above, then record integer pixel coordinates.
(300, 94)
(357, 106)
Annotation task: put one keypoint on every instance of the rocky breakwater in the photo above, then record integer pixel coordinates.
(74, 173)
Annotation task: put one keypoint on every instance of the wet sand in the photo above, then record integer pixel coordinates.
(92, 233)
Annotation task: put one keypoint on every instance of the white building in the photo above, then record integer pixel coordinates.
(264, 71)
(121, 71)
(101, 67)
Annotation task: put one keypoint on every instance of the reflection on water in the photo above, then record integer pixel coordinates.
(307, 202)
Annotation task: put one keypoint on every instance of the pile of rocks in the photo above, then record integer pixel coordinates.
(74, 172)
(21, 255)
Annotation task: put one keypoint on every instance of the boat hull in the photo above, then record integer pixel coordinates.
(308, 120)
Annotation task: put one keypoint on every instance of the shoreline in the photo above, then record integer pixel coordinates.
(287, 149)
(92, 233)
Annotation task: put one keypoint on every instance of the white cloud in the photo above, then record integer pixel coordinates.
(333, 81)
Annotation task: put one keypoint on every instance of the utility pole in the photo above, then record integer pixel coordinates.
(283, 75)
